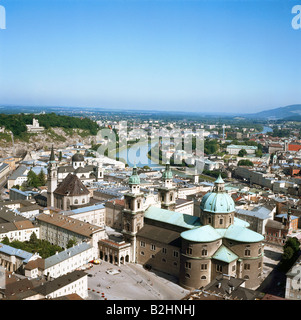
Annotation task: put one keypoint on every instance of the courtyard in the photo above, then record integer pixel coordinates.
(131, 282)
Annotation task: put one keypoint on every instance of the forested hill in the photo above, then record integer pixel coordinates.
(17, 122)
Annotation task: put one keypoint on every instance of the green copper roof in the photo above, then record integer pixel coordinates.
(224, 254)
(172, 217)
(238, 232)
(219, 179)
(241, 234)
(201, 234)
(219, 202)
(134, 178)
(241, 223)
(167, 174)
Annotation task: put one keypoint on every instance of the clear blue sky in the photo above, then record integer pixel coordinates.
(194, 55)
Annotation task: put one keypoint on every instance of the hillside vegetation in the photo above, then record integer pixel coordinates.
(17, 123)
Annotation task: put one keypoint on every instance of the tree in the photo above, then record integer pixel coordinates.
(291, 251)
(258, 153)
(292, 243)
(288, 253)
(42, 178)
(32, 179)
(72, 242)
(33, 238)
(245, 162)
(242, 153)
(5, 240)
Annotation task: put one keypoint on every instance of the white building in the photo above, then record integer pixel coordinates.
(92, 214)
(59, 229)
(34, 127)
(234, 149)
(73, 282)
(61, 263)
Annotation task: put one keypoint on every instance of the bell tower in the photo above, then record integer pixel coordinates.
(167, 192)
(133, 212)
(51, 179)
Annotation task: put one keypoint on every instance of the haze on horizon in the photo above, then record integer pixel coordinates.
(182, 55)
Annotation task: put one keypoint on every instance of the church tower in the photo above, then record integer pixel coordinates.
(51, 179)
(167, 192)
(133, 212)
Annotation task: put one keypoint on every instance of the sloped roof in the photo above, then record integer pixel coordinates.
(241, 234)
(73, 225)
(22, 254)
(224, 254)
(71, 186)
(60, 282)
(172, 217)
(66, 254)
(160, 234)
(202, 234)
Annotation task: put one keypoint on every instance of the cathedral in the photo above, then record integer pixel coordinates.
(194, 249)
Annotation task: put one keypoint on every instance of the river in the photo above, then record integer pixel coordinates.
(137, 154)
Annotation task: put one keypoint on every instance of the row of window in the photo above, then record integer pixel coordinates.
(219, 268)
(221, 220)
(152, 256)
(153, 248)
(204, 251)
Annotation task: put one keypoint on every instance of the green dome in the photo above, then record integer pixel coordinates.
(218, 201)
(134, 178)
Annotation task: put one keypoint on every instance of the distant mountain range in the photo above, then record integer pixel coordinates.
(292, 112)
(289, 113)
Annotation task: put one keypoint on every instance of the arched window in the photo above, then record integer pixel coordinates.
(75, 201)
(203, 277)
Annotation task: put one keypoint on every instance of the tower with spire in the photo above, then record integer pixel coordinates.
(167, 191)
(133, 212)
(51, 179)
